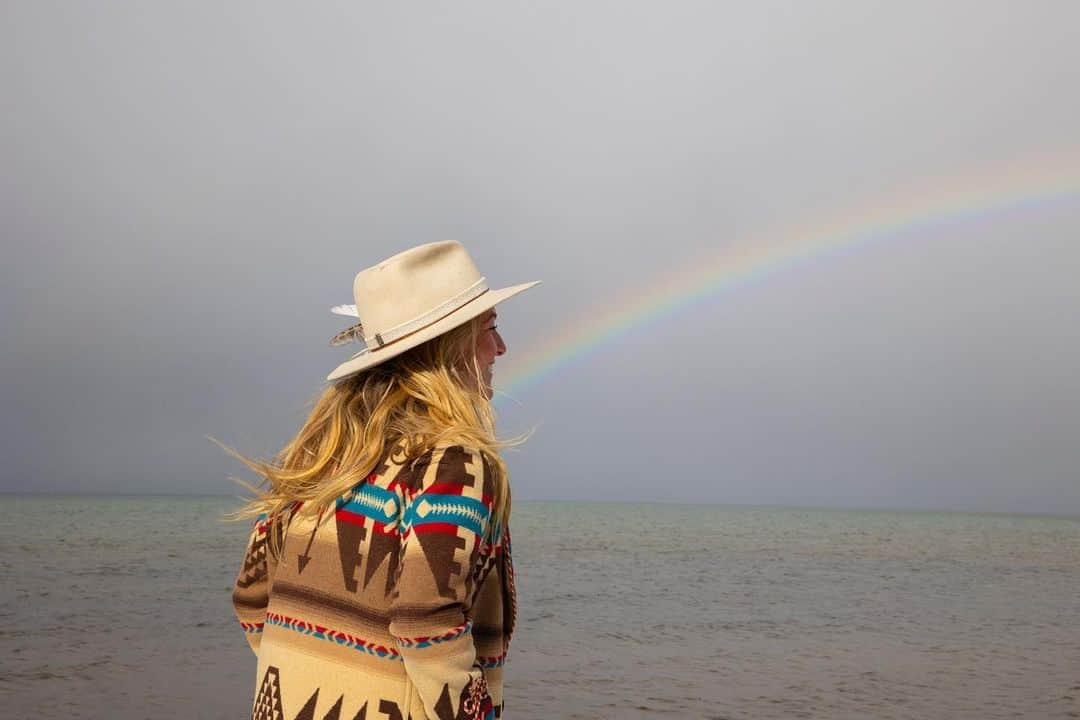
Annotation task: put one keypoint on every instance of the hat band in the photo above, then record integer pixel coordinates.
(397, 332)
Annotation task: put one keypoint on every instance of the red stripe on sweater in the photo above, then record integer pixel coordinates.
(446, 489)
(436, 527)
(352, 518)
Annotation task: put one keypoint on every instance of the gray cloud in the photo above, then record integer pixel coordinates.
(187, 189)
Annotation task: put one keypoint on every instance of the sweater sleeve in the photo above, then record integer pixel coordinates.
(251, 591)
(444, 522)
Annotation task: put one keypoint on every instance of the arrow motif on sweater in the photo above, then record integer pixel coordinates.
(304, 558)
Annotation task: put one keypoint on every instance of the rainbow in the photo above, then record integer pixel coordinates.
(959, 200)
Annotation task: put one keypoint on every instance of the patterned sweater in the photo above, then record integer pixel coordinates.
(397, 603)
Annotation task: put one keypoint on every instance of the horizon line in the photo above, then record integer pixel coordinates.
(695, 503)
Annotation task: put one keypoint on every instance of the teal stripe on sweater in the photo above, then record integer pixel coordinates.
(458, 510)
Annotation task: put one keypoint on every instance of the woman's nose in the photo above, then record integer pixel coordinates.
(500, 346)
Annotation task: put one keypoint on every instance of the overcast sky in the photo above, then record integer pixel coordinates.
(186, 188)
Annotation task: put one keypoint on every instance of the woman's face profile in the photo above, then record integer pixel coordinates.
(489, 345)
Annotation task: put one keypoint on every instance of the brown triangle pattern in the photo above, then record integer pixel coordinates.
(439, 548)
(254, 568)
(444, 708)
(383, 545)
(350, 537)
(268, 702)
(308, 711)
(335, 711)
(410, 477)
(439, 552)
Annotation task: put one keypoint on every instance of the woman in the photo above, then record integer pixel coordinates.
(378, 581)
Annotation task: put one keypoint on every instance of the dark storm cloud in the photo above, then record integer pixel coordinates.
(187, 189)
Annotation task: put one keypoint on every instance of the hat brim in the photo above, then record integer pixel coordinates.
(370, 357)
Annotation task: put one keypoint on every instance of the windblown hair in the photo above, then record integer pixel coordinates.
(428, 396)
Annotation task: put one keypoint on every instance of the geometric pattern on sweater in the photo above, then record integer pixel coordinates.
(379, 504)
(350, 524)
(509, 588)
(308, 711)
(366, 504)
(490, 547)
(268, 702)
(491, 662)
(338, 637)
(351, 535)
(426, 641)
(445, 509)
(439, 548)
(434, 515)
(254, 569)
(440, 620)
(475, 702)
(383, 548)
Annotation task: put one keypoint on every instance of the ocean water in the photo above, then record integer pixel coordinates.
(119, 608)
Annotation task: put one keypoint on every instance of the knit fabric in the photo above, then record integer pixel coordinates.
(398, 602)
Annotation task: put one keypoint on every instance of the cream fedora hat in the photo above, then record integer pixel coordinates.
(413, 297)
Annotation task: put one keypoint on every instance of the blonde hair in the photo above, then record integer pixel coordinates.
(431, 395)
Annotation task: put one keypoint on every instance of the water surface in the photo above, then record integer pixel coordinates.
(119, 608)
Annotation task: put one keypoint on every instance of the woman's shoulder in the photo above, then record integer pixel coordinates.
(444, 462)
(443, 452)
